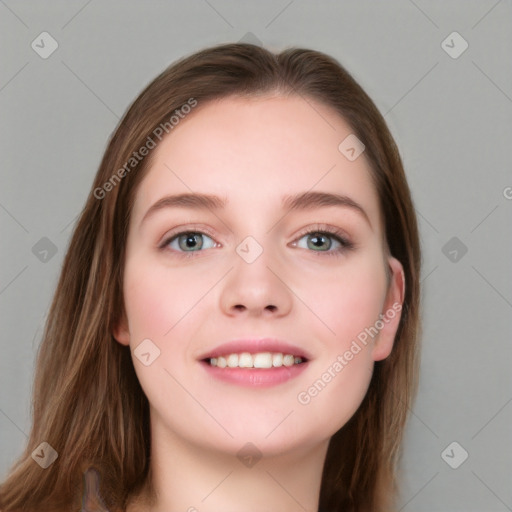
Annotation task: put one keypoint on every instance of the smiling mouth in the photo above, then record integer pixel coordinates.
(259, 360)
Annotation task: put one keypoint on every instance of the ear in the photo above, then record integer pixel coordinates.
(391, 313)
(121, 332)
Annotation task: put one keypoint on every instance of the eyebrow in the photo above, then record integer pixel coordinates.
(302, 201)
(310, 200)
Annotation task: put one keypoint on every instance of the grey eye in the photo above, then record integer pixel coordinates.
(318, 241)
(190, 241)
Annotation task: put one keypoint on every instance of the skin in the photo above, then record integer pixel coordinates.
(252, 152)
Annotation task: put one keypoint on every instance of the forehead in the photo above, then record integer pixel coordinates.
(253, 151)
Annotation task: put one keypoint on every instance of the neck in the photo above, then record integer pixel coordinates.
(185, 477)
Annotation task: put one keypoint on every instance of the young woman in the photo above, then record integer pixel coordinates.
(235, 326)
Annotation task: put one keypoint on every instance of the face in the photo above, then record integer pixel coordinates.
(281, 267)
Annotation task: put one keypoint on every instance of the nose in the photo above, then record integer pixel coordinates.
(256, 289)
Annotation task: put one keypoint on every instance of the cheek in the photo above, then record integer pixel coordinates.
(146, 304)
(164, 305)
(348, 302)
(157, 298)
(348, 299)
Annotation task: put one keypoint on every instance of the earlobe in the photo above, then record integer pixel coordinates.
(121, 332)
(392, 311)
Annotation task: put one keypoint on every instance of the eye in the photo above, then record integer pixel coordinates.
(325, 240)
(321, 239)
(189, 241)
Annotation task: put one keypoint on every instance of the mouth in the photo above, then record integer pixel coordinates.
(255, 363)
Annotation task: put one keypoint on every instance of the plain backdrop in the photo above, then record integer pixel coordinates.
(449, 108)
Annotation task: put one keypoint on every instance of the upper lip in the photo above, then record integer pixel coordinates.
(254, 346)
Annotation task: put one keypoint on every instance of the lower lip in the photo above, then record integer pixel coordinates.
(255, 377)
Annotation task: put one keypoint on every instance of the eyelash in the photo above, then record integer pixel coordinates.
(338, 235)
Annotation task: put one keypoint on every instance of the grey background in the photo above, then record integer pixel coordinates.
(451, 119)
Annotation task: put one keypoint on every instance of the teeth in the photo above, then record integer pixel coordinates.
(263, 360)
(277, 360)
(288, 360)
(259, 360)
(232, 360)
(245, 360)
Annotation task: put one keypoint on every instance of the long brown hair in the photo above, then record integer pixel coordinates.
(87, 401)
